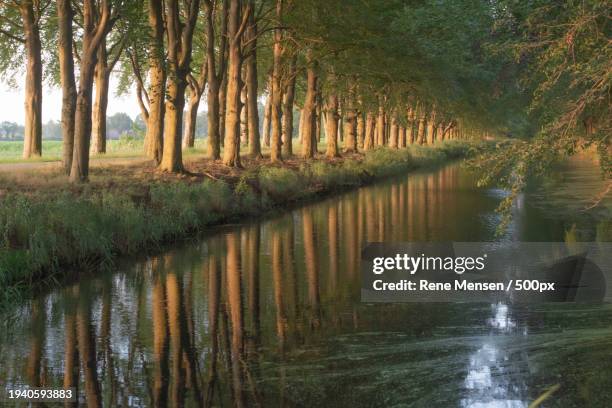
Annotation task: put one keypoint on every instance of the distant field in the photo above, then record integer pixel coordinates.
(11, 151)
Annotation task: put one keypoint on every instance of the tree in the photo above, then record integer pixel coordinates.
(236, 25)
(215, 75)
(309, 127)
(93, 34)
(276, 91)
(196, 89)
(107, 59)
(65, 16)
(288, 99)
(154, 138)
(180, 39)
(331, 126)
(27, 34)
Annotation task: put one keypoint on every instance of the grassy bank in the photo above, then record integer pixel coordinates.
(44, 234)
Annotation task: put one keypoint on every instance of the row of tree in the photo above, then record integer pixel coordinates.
(375, 71)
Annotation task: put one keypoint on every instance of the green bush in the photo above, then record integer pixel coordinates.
(281, 184)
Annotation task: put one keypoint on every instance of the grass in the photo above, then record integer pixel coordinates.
(11, 151)
(44, 235)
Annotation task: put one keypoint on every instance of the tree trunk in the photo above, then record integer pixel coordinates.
(82, 128)
(252, 85)
(331, 126)
(275, 151)
(191, 119)
(380, 126)
(350, 113)
(393, 132)
(231, 149)
(69, 91)
(180, 35)
(32, 138)
(402, 137)
(102, 76)
(244, 116)
(212, 96)
(154, 138)
(370, 127)
(421, 129)
(288, 99)
(350, 130)
(431, 128)
(92, 38)
(360, 130)
(172, 159)
(267, 123)
(310, 112)
(301, 127)
(410, 116)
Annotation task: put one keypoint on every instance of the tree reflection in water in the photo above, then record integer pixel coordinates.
(269, 315)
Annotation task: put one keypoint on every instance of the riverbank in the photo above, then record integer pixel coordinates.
(47, 231)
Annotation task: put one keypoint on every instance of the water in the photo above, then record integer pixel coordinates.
(268, 314)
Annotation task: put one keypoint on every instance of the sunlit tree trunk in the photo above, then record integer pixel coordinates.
(350, 130)
(370, 129)
(102, 77)
(309, 127)
(93, 34)
(172, 159)
(402, 137)
(154, 138)
(421, 123)
(288, 99)
(411, 134)
(431, 127)
(231, 148)
(32, 138)
(267, 123)
(331, 126)
(380, 126)
(360, 130)
(69, 91)
(180, 37)
(276, 95)
(393, 132)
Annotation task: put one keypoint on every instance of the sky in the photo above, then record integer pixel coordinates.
(12, 103)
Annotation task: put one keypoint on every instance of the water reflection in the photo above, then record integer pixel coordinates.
(496, 377)
(269, 315)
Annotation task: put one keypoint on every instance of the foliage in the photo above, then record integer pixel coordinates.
(564, 54)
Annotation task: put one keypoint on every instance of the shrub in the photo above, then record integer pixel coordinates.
(281, 184)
